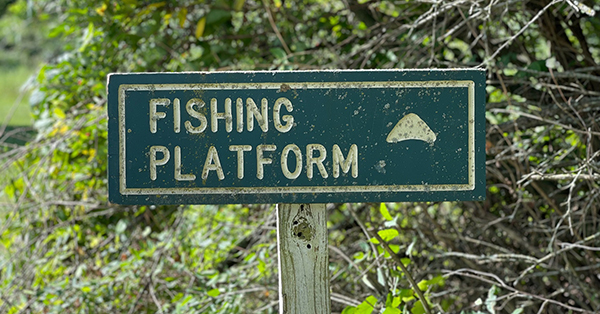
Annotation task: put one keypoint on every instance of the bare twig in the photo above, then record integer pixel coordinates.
(482, 276)
(519, 33)
(275, 29)
(560, 177)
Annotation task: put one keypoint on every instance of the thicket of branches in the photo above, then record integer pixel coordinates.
(532, 247)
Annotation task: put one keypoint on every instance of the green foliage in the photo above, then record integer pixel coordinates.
(64, 248)
(23, 34)
(13, 88)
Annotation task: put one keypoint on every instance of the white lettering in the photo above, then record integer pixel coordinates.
(239, 114)
(311, 160)
(289, 119)
(157, 162)
(176, 115)
(212, 163)
(260, 161)
(154, 115)
(215, 115)
(351, 160)
(284, 161)
(291, 166)
(178, 175)
(252, 111)
(189, 107)
(240, 149)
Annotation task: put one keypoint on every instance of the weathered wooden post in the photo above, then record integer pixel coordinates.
(299, 139)
(303, 257)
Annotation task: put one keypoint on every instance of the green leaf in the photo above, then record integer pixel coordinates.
(156, 5)
(384, 212)
(359, 256)
(186, 300)
(396, 301)
(87, 37)
(182, 16)
(423, 285)
(278, 53)
(367, 306)
(59, 113)
(391, 310)
(217, 17)
(539, 65)
(262, 266)
(200, 27)
(349, 310)
(388, 234)
(371, 300)
(9, 190)
(407, 295)
(394, 247)
(214, 293)
(177, 297)
(517, 311)
(418, 308)
(238, 5)
(140, 211)
(437, 280)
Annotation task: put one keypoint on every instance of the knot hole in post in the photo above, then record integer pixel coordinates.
(301, 227)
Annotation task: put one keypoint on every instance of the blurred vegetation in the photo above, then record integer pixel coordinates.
(532, 247)
(24, 33)
(13, 88)
(24, 43)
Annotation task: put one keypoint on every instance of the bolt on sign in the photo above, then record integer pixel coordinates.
(296, 137)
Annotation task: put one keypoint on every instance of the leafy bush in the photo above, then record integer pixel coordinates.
(532, 247)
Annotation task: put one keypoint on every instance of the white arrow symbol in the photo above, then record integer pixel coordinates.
(411, 127)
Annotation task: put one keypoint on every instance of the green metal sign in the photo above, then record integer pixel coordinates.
(296, 137)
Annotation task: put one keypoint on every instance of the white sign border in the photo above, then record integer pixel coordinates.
(124, 190)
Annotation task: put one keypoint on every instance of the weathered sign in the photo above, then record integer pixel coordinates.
(296, 137)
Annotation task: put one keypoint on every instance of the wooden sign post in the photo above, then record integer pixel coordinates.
(297, 137)
(303, 257)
